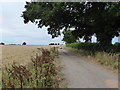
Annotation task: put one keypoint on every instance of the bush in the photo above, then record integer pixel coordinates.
(116, 47)
(24, 43)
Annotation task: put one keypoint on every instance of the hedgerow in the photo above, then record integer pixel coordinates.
(95, 47)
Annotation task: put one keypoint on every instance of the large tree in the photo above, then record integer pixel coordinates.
(87, 18)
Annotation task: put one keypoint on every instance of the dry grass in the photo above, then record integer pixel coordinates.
(22, 55)
(19, 53)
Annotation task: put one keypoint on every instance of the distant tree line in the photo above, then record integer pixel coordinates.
(54, 44)
(24, 43)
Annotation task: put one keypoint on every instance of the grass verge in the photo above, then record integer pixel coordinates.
(108, 60)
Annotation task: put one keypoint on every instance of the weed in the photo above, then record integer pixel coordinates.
(42, 73)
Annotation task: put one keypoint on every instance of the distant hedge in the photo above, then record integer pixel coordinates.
(94, 47)
(2, 43)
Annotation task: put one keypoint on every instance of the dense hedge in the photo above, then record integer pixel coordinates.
(94, 47)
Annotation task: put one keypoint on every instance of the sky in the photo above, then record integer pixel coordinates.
(14, 31)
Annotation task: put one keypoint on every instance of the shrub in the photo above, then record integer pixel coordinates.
(24, 43)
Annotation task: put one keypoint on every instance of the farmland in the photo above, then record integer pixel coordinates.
(29, 67)
(19, 54)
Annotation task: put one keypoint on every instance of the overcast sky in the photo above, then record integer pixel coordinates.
(13, 29)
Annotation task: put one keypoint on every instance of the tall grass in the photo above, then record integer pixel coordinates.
(42, 72)
(111, 60)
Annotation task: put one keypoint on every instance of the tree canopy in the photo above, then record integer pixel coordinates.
(87, 18)
(69, 38)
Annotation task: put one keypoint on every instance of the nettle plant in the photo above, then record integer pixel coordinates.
(41, 74)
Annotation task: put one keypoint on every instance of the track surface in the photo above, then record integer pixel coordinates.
(81, 73)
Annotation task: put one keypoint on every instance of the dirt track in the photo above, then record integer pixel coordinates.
(81, 73)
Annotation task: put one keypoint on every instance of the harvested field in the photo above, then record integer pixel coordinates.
(19, 53)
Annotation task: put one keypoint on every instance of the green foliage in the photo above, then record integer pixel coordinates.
(42, 73)
(95, 47)
(116, 47)
(91, 18)
(69, 38)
